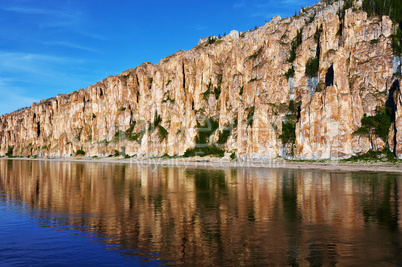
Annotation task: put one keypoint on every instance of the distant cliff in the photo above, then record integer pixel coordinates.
(321, 85)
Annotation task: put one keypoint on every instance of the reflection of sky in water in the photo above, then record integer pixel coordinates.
(109, 213)
(33, 238)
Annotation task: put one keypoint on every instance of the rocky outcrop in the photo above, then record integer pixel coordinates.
(239, 81)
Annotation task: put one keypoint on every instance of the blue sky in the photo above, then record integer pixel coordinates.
(52, 47)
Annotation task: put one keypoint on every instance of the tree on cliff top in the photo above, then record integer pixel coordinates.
(391, 8)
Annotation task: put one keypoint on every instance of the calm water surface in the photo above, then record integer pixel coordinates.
(59, 213)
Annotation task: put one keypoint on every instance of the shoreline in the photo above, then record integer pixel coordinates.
(377, 167)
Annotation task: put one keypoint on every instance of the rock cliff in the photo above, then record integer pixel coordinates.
(296, 87)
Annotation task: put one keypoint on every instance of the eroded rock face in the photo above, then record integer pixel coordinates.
(398, 120)
(225, 81)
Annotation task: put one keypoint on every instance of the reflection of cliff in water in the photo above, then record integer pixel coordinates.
(217, 217)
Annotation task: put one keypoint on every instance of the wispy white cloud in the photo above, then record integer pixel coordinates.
(64, 19)
(54, 18)
(27, 10)
(32, 63)
(72, 45)
(12, 98)
(239, 5)
(26, 76)
(200, 27)
(61, 13)
(92, 35)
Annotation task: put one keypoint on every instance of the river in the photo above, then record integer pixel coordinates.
(100, 214)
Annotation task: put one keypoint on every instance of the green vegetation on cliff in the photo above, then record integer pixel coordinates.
(203, 147)
(393, 9)
(10, 151)
(250, 115)
(385, 155)
(288, 135)
(397, 42)
(312, 67)
(296, 42)
(213, 90)
(378, 124)
(341, 13)
(80, 152)
(290, 73)
(288, 132)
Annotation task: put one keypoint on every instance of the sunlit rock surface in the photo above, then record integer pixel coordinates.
(356, 74)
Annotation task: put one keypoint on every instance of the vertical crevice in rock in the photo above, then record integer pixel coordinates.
(317, 37)
(340, 31)
(298, 113)
(136, 78)
(38, 130)
(391, 101)
(329, 76)
(184, 77)
(138, 97)
(101, 92)
(392, 104)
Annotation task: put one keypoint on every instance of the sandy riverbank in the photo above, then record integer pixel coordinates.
(224, 163)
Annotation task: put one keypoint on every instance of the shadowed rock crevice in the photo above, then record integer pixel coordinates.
(391, 103)
(329, 76)
(184, 76)
(38, 129)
